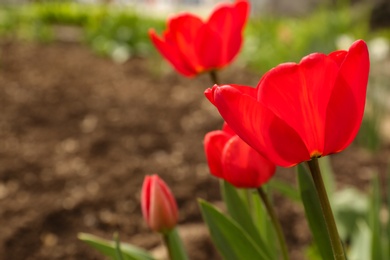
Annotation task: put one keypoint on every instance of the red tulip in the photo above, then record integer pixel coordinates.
(233, 160)
(159, 207)
(194, 46)
(300, 111)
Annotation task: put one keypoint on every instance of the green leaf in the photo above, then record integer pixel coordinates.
(285, 189)
(313, 213)
(327, 175)
(388, 212)
(240, 213)
(175, 245)
(230, 239)
(108, 248)
(376, 241)
(349, 207)
(361, 242)
(263, 222)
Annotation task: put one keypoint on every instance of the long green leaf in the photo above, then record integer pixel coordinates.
(361, 242)
(388, 211)
(118, 251)
(108, 248)
(327, 175)
(240, 213)
(230, 239)
(263, 222)
(314, 214)
(375, 223)
(285, 189)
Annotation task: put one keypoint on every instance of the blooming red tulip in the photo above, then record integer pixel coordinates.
(159, 207)
(233, 160)
(193, 46)
(300, 111)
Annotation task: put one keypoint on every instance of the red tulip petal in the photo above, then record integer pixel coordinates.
(214, 142)
(338, 56)
(252, 92)
(226, 128)
(243, 166)
(256, 125)
(145, 198)
(346, 105)
(163, 213)
(208, 46)
(299, 95)
(168, 51)
(183, 32)
(228, 21)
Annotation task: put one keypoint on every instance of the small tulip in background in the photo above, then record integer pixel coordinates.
(158, 205)
(160, 212)
(194, 46)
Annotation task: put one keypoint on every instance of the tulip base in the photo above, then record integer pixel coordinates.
(214, 77)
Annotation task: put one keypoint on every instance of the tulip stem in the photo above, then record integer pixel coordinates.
(337, 246)
(214, 77)
(275, 222)
(174, 245)
(118, 251)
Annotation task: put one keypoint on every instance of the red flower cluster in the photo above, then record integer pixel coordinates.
(233, 160)
(300, 111)
(193, 46)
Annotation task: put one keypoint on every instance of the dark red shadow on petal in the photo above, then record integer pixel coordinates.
(287, 143)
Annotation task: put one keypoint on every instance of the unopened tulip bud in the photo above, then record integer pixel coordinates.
(159, 207)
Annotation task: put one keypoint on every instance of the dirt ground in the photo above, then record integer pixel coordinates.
(78, 133)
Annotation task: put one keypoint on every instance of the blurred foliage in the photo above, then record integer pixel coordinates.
(271, 40)
(119, 33)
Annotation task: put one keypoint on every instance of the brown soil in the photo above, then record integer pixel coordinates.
(78, 133)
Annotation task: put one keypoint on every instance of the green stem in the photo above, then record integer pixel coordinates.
(214, 77)
(275, 222)
(337, 246)
(174, 245)
(118, 251)
(167, 246)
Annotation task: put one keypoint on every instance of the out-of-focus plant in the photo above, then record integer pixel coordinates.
(110, 31)
(271, 40)
(121, 34)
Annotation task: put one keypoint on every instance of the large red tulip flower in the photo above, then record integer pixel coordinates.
(300, 111)
(194, 46)
(159, 207)
(233, 160)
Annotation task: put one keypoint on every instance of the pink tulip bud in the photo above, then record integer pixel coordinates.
(159, 207)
